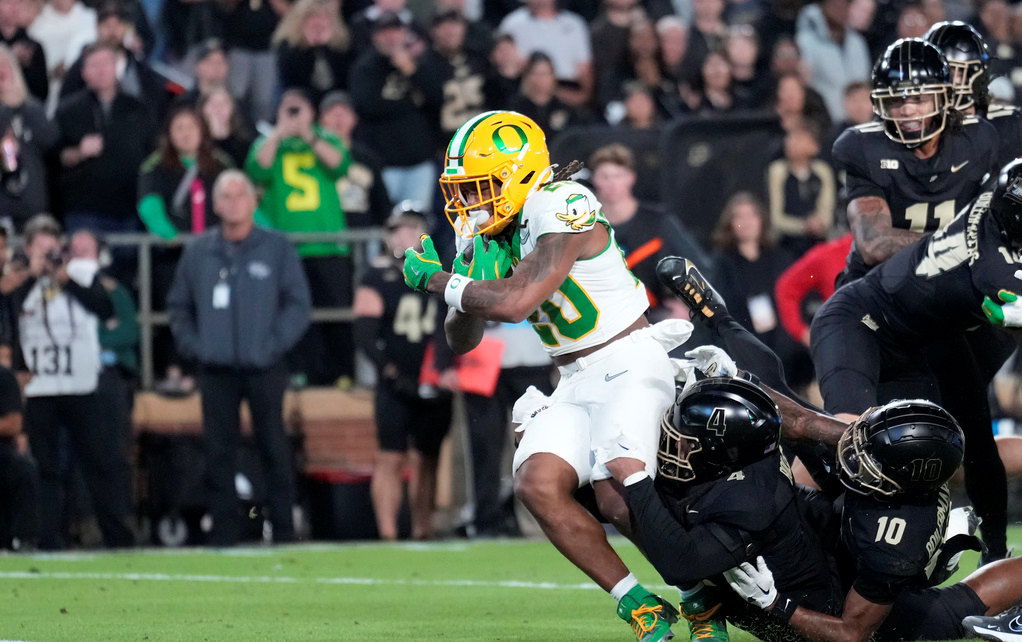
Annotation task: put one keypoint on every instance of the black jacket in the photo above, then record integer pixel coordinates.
(24, 193)
(397, 113)
(266, 311)
(106, 184)
(36, 78)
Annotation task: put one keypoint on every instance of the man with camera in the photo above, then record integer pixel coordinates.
(59, 305)
(299, 164)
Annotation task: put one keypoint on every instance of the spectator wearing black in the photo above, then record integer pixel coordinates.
(713, 91)
(19, 478)
(211, 70)
(27, 51)
(134, 76)
(239, 302)
(60, 305)
(748, 265)
(463, 72)
(504, 72)
(231, 134)
(537, 97)
(361, 191)
(175, 196)
(478, 35)
(798, 105)
(802, 193)
(186, 24)
(707, 31)
(105, 136)
(313, 49)
(644, 231)
(640, 107)
(609, 35)
(394, 326)
(750, 81)
(396, 91)
(364, 23)
(26, 135)
(247, 29)
(675, 63)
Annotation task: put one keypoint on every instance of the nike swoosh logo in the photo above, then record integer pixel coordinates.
(609, 377)
(1016, 624)
(955, 168)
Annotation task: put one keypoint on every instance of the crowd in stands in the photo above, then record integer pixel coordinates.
(118, 116)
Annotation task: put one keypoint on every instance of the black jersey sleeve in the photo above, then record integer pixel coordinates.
(850, 158)
(681, 553)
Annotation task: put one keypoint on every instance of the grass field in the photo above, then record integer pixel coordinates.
(494, 590)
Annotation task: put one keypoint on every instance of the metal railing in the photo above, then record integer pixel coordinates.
(363, 242)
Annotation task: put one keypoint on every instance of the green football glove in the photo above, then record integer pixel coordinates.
(491, 259)
(1006, 312)
(420, 267)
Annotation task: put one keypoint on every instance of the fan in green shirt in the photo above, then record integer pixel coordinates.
(298, 165)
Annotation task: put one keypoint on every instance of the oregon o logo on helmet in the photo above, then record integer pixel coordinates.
(504, 139)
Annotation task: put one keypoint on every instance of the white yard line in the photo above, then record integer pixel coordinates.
(274, 579)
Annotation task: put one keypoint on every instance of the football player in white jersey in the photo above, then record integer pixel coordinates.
(569, 279)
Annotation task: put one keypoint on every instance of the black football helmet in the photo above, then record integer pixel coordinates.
(903, 447)
(968, 57)
(1006, 203)
(716, 427)
(912, 67)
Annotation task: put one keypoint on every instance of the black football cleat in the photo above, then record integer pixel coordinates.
(684, 279)
(1006, 626)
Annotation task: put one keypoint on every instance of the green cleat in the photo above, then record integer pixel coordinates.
(648, 615)
(701, 612)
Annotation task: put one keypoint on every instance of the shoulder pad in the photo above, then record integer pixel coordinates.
(565, 206)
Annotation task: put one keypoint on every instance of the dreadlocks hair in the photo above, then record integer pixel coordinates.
(569, 170)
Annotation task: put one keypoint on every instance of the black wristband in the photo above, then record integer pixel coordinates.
(783, 608)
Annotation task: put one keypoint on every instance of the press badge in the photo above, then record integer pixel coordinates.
(221, 295)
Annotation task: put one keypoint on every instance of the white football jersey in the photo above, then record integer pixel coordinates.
(60, 341)
(600, 297)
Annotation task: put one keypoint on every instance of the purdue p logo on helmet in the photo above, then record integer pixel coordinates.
(501, 156)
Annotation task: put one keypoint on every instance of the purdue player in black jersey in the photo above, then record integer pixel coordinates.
(912, 171)
(724, 494)
(968, 56)
(895, 461)
(907, 175)
(868, 338)
(393, 326)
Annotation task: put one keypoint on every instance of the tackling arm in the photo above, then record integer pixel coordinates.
(875, 237)
(859, 619)
(803, 423)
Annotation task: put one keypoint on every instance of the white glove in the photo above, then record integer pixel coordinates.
(755, 584)
(670, 333)
(713, 362)
(528, 406)
(684, 372)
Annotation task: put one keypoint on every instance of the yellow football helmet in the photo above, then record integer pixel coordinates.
(501, 156)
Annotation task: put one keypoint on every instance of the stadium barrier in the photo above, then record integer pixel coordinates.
(364, 244)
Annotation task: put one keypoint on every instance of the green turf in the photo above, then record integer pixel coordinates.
(453, 591)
